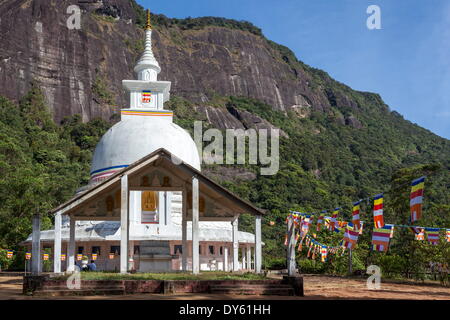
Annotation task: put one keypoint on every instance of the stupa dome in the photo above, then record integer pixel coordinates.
(134, 138)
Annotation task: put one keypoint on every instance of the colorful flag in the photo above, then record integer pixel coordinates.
(324, 253)
(381, 237)
(286, 239)
(79, 257)
(340, 226)
(304, 226)
(416, 198)
(28, 256)
(45, 256)
(350, 239)
(300, 245)
(309, 251)
(9, 254)
(432, 235)
(63, 257)
(319, 222)
(334, 218)
(419, 233)
(111, 256)
(355, 215)
(447, 235)
(146, 96)
(94, 256)
(378, 211)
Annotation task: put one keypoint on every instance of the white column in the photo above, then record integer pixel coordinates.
(258, 245)
(36, 245)
(131, 255)
(249, 258)
(291, 247)
(195, 218)
(244, 258)
(235, 245)
(57, 244)
(71, 247)
(225, 259)
(184, 253)
(124, 216)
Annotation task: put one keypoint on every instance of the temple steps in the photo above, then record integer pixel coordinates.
(87, 288)
(81, 292)
(254, 289)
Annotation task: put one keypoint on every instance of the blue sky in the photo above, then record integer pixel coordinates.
(407, 62)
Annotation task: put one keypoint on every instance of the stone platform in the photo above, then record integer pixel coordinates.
(44, 286)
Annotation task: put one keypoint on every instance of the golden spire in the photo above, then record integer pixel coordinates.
(149, 25)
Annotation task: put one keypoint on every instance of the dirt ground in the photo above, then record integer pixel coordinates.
(316, 288)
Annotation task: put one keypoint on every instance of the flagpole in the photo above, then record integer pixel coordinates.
(350, 262)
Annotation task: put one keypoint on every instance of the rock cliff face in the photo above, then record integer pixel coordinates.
(80, 71)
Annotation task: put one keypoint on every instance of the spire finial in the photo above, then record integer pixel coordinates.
(149, 25)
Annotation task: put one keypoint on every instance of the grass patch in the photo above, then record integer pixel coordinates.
(208, 275)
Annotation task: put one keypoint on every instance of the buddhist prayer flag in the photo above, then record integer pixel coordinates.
(355, 214)
(432, 235)
(416, 198)
(146, 96)
(350, 238)
(340, 226)
(334, 218)
(300, 245)
(45, 256)
(79, 257)
(324, 253)
(63, 257)
(111, 256)
(447, 235)
(378, 211)
(319, 222)
(304, 227)
(381, 237)
(419, 233)
(309, 251)
(94, 256)
(9, 254)
(27, 256)
(286, 239)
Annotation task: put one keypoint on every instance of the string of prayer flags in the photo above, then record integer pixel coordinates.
(381, 237)
(9, 254)
(28, 256)
(334, 218)
(416, 198)
(378, 211)
(432, 235)
(447, 235)
(350, 238)
(355, 214)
